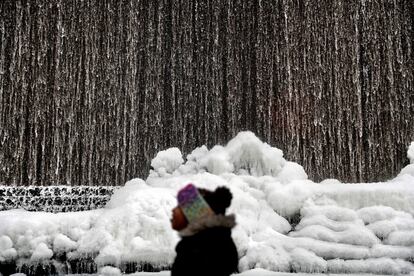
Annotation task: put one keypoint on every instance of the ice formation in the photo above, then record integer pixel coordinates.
(285, 221)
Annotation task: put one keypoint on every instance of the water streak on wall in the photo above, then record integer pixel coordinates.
(90, 90)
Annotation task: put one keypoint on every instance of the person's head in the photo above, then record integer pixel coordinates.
(196, 203)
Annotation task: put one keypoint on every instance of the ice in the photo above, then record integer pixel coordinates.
(287, 200)
(333, 225)
(261, 255)
(332, 212)
(391, 251)
(407, 170)
(5, 243)
(167, 161)
(109, 271)
(63, 243)
(355, 235)
(376, 266)
(330, 250)
(291, 171)
(410, 153)
(42, 252)
(7, 252)
(404, 238)
(248, 153)
(376, 213)
(307, 261)
(382, 228)
(244, 154)
(285, 221)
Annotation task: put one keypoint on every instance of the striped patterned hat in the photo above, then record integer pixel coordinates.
(192, 203)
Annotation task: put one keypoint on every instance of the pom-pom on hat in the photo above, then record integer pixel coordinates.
(218, 200)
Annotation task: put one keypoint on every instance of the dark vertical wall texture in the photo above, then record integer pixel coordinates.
(91, 90)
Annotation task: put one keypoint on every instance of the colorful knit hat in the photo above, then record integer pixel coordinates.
(192, 203)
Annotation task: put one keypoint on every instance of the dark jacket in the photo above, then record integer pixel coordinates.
(206, 248)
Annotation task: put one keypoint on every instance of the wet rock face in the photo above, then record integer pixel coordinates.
(55, 198)
(329, 82)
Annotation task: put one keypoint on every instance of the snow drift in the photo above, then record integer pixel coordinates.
(285, 221)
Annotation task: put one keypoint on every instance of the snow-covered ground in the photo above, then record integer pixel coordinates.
(285, 221)
(252, 272)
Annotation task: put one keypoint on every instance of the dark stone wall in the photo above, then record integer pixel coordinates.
(54, 198)
(91, 90)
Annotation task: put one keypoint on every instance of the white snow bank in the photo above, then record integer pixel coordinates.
(63, 243)
(167, 161)
(245, 154)
(404, 238)
(257, 272)
(375, 266)
(7, 252)
(109, 271)
(410, 153)
(41, 252)
(261, 255)
(409, 169)
(356, 235)
(307, 261)
(284, 221)
(378, 213)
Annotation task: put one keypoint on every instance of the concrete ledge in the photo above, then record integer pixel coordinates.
(78, 266)
(55, 198)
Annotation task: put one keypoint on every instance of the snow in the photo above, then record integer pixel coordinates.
(41, 252)
(6, 249)
(256, 272)
(167, 161)
(109, 271)
(404, 238)
(409, 169)
(307, 261)
(63, 243)
(262, 255)
(410, 153)
(357, 235)
(379, 213)
(375, 266)
(285, 222)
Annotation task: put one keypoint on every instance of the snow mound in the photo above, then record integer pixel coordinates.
(260, 255)
(410, 153)
(307, 261)
(403, 238)
(7, 252)
(285, 222)
(63, 243)
(42, 252)
(109, 271)
(379, 213)
(356, 235)
(375, 266)
(409, 169)
(167, 161)
(245, 154)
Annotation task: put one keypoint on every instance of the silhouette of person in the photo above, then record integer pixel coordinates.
(206, 246)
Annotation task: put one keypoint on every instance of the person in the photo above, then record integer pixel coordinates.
(206, 246)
